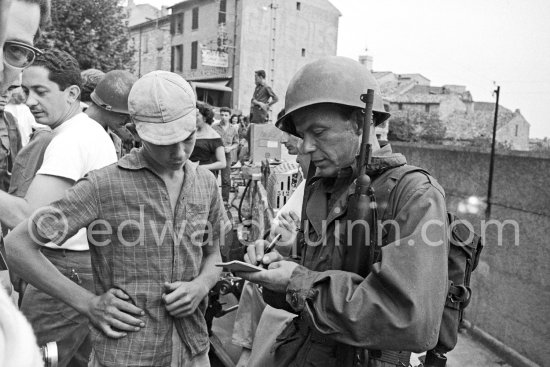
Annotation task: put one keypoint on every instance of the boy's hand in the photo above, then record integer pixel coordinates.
(183, 298)
(112, 314)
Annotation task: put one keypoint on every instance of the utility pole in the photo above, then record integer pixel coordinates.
(492, 162)
(273, 35)
(233, 66)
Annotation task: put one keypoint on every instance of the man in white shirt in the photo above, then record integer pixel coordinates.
(79, 145)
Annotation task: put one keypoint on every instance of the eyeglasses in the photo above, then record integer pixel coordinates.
(19, 55)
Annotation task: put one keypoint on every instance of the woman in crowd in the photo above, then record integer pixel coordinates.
(234, 119)
(242, 151)
(208, 151)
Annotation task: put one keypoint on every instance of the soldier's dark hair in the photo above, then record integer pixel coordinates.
(63, 68)
(260, 73)
(225, 109)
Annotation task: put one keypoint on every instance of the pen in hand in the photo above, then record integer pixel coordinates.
(270, 247)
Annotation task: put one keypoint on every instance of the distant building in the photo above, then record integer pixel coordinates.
(218, 44)
(142, 13)
(463, 118)
(444, 100)
(512, 127)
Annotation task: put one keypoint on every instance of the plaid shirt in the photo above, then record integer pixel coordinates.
(229, 136)
(142, 247)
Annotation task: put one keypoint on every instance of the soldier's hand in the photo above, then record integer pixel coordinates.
(276, 277)
(113, 314)
(255, 254)
(287, 225)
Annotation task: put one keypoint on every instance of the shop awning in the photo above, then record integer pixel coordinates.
(221, 86)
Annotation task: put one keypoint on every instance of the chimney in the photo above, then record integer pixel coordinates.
(367, 61)
(163, 11)
(517, 112)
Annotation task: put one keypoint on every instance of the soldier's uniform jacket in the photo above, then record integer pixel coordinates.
(398, 306)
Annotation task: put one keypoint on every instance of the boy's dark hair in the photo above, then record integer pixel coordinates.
(225, 109)
(63, 68)
(206, 111)
(260, 73)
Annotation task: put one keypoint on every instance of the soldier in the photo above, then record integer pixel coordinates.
(108, 105)
(398, 306)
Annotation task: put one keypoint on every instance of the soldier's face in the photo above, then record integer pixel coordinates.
(329, 138)
(21, 24)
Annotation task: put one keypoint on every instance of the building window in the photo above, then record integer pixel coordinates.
(177, 58)
(298, 6)
(179, 23)
(223, 10)
(195, 22)
(303, 52)
(427, 108)
(194, 51)
(517, 127)
(146, 44)
(400, 106)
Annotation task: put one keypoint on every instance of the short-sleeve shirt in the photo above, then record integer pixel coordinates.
(205, 150)
(229, 136)
(137, 244)
(78, 146)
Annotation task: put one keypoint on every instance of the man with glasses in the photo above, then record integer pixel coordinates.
(20, 22)
(79, 145)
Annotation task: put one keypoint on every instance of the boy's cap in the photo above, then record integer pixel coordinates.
(163, 107)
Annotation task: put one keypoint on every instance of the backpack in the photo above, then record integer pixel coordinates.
(464, 252)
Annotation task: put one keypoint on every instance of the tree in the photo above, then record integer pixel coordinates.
(400, 127)
(416, 125)
(432, 129)
(95, 32)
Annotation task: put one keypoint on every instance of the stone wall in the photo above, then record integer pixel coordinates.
(152, 46)
(512, 283)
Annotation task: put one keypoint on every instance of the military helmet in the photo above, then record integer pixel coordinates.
(333, 79)
(111, 93)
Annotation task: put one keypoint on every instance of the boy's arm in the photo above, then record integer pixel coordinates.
(43, 190)
(107, 311)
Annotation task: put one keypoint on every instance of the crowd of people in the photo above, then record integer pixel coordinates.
(113, 215)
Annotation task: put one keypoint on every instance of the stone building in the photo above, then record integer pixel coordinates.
(463, 118)
(512, 127)
(444, 100)
(218, 44)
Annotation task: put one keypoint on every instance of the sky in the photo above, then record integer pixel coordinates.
(476, 43)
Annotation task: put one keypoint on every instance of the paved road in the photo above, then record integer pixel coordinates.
(469, 352)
